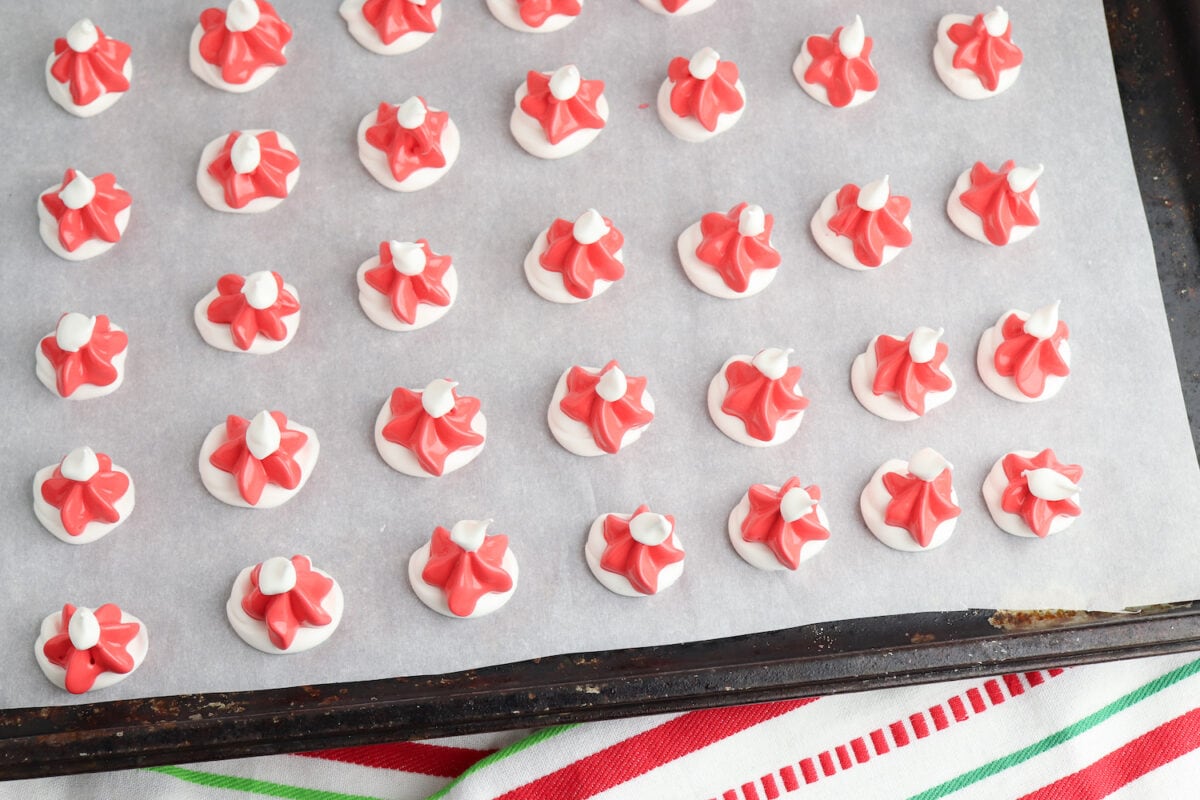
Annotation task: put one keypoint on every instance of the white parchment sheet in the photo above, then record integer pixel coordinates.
(1120, 414)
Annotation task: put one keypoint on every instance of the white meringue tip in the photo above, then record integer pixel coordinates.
(928, 463)
(1021, 179)
(565, 82)
(246, 153)
(241, 15)
(1049, 484)
(82, 36)
(922, 347)
(408, 258)
(772, 362)
(276, 575)
(470, 534)
(84, 629)
(752, 221)
(79, 191)
(263, 435)
(852, 38)
(874, 195)
(996, 21)
(649, 528)
(260, 289)
(612, 385)
(796, 503)
(80, 464)
(590, 227)
(74, 331)
(438, 397)
(704, 63)
(1043, 322)
(411, 113)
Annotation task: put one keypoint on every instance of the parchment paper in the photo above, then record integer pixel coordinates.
(1120, 414)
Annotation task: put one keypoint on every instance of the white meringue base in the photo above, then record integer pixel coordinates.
(689, 129)
(51, 519)
(508, 13)
(212, 74)
(435, 598)
(61, 92)
(706, 278)
(971, 224)
(985, 362)
(48, 228)
(52, 626)
(873, 503)
(366, 35)
(88, 391)
(403, 460)
(841, 248)
(378, 307)
(223, 485)
(212, 192)
(549, 285)
(376, 162)
(254, 631)
(993, 490)
(532, 137)
(220, 337)
(964, 82)
(888, 406)
(732, 426)
(618, 584)
(691, 7)
(815, 90)
(575, 436)
(759, 555)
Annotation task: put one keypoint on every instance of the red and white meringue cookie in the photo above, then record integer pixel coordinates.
(730, 255)
(998, 207)
(575, 261)
(408, 147)
(83, 497)
(83, 217)
(392, 27)
(1025, 357)
(430, 432)
(240, 48)
(536, 16)
(636, 554)
(464, 572)
(597, 411)
(863, 228)
(701, 97)
(778, 527)
(756, 400)
(256, 313)
(80, 649)
(558, 113)
(1033, 494)
(975, 56)
(258, 463)
(900, 379)
(677, 8)
(87, 71)
(84, 357)
(247, 172)
(836, 70)
(911, 505)
(284, 605)
(407, 286)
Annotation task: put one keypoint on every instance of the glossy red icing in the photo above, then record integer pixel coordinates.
(765, 524)
(287, 612)
(841, 76)
(81, 502)
(269, 179)
(109, 655)
(96, 220)
(608, 422)
(560, 118)
(431, 439)
(581, 265)
(673, 5)
(759, 402)
(919, 506)
(240, 54)
(897, 373)
(93, 73)
(90, 364)
(985, 55)
(732, 255)
(407, 292)
(871, 231)
(253, 474)
(230, 307)
(705, 100)
(534, 13)
(392, 19)
(1017, 499)
(465, 575)
(638, 563)
(1027, 359)
(999, 208)
(408, 150)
